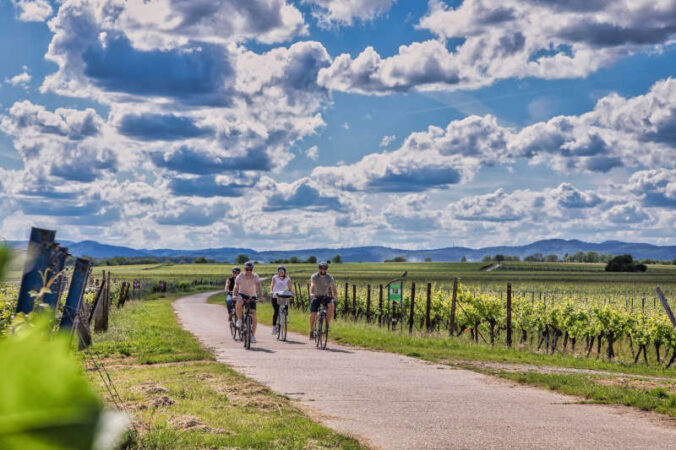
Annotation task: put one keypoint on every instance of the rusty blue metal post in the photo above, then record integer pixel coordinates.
(75, 292)
(57, 264)
(40, 248)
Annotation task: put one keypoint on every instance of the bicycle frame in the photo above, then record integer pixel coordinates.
(247, 319)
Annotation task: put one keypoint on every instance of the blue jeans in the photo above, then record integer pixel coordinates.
(229, 303)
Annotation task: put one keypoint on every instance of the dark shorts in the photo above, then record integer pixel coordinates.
(314, 304)
(252, 304)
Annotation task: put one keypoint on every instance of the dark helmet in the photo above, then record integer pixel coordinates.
(282, 267)
(236, 269)
(323, 265)
(248, 265)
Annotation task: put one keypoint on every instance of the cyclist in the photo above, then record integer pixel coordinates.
(248, 284)
(229, 287)
(321, 285)
(280, 282)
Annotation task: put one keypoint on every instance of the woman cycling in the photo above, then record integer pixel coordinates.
(280, 282)
(229, 287)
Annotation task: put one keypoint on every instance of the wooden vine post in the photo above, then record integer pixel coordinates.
(99, 305)
(428, 307)
(354, 301)
(451, 327)
(380, 306)
(666, 306)
(509, 314)
(368, 303)
(412, 310)
(346, 310)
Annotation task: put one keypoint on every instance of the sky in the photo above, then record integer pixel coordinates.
(283, 124)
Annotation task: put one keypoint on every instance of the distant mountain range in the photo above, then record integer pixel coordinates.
(375, 253)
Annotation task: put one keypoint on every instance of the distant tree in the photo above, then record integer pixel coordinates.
(241, 259)
(464, 259)
(337, 259)
(674, 262)
(624, 263)
(647, 261)
(294, 260)
(200, 260)
(396, 259)
(499, 258)
(552, 258)
(428, 259)
(486, 258)
(592, 257)
(535, 257)
(311, 260)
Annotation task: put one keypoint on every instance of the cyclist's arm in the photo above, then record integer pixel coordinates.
(332, 286)
(290, 286)
(312, 289)
(235, 291)
(272, 286)
(259, 290)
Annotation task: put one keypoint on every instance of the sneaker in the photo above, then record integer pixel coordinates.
(253, 339)
(239, 324)
(274, 329)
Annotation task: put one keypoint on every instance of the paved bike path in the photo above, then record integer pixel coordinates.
(393, 401)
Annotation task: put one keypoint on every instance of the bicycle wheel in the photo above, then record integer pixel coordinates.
(324, 334)
(318, 329)
(282, 326)
(233, 330)
(280, 317)
(247, 332)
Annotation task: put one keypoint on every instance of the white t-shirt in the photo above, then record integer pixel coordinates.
(280, 284)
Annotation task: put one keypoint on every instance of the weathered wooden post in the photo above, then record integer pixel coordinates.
(428, 307)
(40, 248)
(75, 293)
(509, 314)
(380, 306)
(97, 301)
(57, 264)
(101, 304)
(354, 301)
(451, 327)
(666, 306)
(368, 303)
(346, 310)
(643, 305)
(123, 295)
(412, 310)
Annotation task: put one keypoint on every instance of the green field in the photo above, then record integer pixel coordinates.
(551, 281)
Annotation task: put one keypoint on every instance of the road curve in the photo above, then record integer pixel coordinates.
(393, 401)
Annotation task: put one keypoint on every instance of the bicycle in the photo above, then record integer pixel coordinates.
(321, 328)
(283, 317)
(247, 319)
(234, 331)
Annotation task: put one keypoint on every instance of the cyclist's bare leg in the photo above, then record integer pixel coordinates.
(331, 308)
(313, 316)
(238, 310)
(254, 322)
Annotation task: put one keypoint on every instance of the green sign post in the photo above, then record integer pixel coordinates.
(394, 293)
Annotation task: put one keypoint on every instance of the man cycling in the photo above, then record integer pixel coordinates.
(229, 287)
(321, 285)
(248, 284)
(280, 282)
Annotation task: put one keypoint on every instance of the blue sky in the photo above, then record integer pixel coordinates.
(296, 123)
